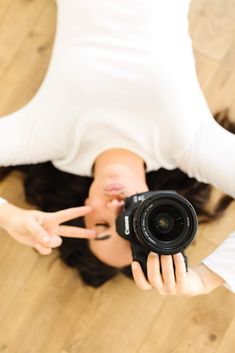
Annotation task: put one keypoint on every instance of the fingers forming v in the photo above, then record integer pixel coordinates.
(39, 233)
(76, 232)
(68, 214)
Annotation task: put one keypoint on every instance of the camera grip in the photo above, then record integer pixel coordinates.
(185, 261)
(140, 254)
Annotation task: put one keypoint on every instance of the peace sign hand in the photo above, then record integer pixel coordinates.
(42, 230)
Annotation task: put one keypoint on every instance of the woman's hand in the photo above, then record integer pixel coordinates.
(162, 276)
(42, 230)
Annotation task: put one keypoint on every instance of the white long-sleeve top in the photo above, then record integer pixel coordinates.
(122, 75)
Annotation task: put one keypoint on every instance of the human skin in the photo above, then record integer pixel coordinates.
(42, 230)
(119, 166)
(113, 166)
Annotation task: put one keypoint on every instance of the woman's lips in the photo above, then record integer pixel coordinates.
(114, 189)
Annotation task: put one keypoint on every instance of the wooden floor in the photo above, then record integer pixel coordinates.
(44, 308)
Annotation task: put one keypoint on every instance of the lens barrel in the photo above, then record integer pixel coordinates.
(165, 222)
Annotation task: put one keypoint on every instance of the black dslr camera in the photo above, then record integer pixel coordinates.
(160, 221)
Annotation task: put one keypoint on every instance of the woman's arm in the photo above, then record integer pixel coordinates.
(24, 138)
(222, 262)
(39, 131)
(210, 156)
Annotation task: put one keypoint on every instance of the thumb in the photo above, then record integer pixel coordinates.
(40, 235)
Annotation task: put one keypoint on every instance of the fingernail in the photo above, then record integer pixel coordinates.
(56, 237)
(153, 254)
(57, 240)
(38, 247)
(134, 265)
(46, 238)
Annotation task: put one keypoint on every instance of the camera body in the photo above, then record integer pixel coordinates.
(160, 221)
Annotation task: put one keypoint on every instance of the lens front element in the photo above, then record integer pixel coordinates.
(165, 223)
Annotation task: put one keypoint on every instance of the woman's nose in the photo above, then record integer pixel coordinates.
(115, 206)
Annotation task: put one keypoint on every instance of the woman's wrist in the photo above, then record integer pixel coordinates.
(210, 279)
(5, 209)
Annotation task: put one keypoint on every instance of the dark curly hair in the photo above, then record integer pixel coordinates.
(51, 190)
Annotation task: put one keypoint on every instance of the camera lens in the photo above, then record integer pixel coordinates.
(165, 223)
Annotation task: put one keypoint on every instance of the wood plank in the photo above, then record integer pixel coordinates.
(220, 90)
(23, 76)
(189, 325)
(17, 260)
(4, 4)
(212, 26)
(228, 343)
(40, 319)
(117, 316)
(218, 230)
(15, 26)
(44, 305)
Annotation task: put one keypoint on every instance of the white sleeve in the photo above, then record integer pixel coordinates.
(222, 262)
(24, 138)
(202, 149)
(2, 201)
(40, 131)
(210, 156)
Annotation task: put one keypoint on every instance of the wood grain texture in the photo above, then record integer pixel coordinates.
(44, 305)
